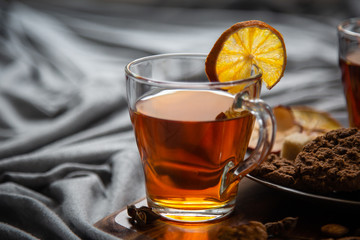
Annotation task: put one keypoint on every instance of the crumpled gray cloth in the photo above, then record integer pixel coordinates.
(68, 156)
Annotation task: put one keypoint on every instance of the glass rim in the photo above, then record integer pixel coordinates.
(151, 81)
(342, 26)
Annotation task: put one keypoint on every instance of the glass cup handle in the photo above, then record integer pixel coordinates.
(267, 130)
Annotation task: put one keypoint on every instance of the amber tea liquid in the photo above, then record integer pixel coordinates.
(350, 67)
(185, 152)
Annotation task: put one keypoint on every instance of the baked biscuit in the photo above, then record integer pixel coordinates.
(277, 170)
(330, 163)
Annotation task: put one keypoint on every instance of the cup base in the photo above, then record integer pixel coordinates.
(192, 216)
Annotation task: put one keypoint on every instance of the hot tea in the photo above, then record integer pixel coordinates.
(350, 67)
(185, 151)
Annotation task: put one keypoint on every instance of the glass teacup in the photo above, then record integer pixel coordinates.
(193, 134)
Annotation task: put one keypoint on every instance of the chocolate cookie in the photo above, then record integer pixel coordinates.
(277, 170)
(330, 163)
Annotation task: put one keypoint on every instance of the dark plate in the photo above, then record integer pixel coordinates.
(350, 199)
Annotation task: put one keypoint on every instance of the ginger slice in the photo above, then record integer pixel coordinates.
(296, 120)
(314, 120)
(286, 125)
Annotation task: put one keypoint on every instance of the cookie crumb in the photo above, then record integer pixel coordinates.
(334, 230)
(253, 230)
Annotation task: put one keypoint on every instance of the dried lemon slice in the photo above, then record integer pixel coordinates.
(243, 45)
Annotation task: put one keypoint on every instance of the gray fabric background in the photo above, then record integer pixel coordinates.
(67, 152)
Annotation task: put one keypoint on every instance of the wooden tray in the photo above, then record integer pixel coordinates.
(255, 202)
